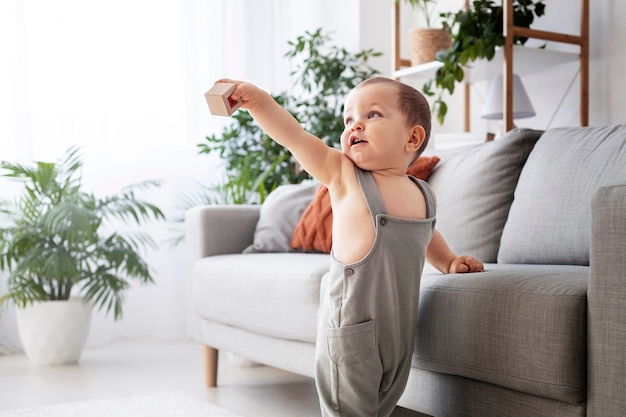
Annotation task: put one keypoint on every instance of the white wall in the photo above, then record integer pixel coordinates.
(125, 80)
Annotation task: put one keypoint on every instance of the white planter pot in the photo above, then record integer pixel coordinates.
(54, 332)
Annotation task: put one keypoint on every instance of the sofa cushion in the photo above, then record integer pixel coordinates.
(518, 326)
(474, 186)
(550, 219)
(274, 294)
(279, 215)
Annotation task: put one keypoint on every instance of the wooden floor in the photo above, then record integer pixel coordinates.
(141, 367)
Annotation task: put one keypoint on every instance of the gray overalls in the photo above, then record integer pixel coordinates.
(368, 314)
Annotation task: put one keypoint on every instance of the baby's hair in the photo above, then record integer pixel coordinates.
(413, 104)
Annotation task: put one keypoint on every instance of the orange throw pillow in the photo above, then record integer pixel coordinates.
(422, 167)
(313, 233)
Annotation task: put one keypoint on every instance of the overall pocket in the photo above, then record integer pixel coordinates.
(352, 343)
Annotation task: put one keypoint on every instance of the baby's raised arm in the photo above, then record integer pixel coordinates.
(317, 158)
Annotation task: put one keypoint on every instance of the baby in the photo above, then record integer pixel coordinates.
(383, 232)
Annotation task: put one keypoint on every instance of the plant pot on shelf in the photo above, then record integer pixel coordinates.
(54, 332)
(424, 43)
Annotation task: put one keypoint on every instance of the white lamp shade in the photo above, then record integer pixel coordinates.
(494, 108)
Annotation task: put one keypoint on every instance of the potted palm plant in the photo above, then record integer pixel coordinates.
(62, 257)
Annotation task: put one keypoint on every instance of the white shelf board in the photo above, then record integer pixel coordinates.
(424, 71)
(526, 60)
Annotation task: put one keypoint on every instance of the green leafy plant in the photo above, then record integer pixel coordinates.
(476, 33)
(54, 240)
(255, 164)
(324, 74)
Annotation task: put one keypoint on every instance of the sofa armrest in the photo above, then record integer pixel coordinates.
(220, 229)
(606, 382)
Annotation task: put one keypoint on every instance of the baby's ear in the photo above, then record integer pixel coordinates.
(416, 138)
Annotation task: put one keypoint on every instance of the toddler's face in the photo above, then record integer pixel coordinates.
(376, 130)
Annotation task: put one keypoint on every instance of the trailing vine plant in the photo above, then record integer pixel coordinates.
(476, 33)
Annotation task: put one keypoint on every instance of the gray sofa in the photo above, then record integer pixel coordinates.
(542, 332)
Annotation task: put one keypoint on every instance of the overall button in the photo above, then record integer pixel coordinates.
(383, 221)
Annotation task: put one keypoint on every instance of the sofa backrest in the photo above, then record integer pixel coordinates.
(550, 219)
(474, 186)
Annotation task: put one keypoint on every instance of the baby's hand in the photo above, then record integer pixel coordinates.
(463, 264)
(248, 93)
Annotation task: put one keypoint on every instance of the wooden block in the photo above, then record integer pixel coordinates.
(219, 101)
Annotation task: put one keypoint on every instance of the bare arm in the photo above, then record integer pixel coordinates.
(317, 158)
(439, 255)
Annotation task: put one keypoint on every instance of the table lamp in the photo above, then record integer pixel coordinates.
(494, 109)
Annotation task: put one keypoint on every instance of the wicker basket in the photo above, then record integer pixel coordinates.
(425, 43)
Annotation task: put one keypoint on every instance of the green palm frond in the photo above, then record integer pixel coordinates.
(53, 238)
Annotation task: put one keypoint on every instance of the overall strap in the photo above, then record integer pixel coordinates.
(431, 205)
(370, 192)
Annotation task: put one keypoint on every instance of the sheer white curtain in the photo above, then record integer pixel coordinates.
(124, 79)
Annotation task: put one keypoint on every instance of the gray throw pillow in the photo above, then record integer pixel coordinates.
(474, 186)
(280, 213)
(550, 219)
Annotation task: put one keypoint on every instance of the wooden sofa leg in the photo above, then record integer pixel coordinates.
(209, 358)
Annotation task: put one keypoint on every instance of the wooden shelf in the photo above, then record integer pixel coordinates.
(509, 59)
(528, 61)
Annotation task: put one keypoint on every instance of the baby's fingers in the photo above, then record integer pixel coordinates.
(475, 266)
(458, 267)
(226, 80)
(229, 81)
